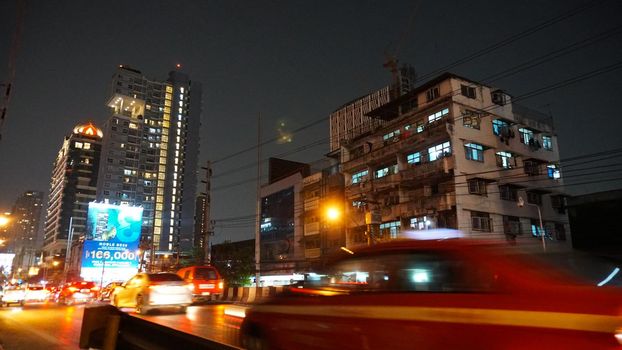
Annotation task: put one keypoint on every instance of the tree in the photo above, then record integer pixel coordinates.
(235, 262)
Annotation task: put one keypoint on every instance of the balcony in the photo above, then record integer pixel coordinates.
(312, 253)
(312, 228)
(312, 203)
(424, 171)
(423, 205)
(386, 182)
(432, 134)
(358, 188)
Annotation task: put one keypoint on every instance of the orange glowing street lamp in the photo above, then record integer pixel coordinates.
(333, 213)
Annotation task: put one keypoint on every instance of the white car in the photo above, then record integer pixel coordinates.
(149, 291)
(36, 294)
(13, 295)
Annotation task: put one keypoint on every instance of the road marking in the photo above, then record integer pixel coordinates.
(540, 319)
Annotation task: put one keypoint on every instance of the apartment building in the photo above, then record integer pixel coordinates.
(455, 153)
(72, 187)
(150, 153)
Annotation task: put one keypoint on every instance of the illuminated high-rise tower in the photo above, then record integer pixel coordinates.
(74, 177)
(149, 156)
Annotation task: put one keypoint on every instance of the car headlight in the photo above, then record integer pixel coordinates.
(220, 285)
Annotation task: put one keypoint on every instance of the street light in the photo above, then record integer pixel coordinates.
(521, 203)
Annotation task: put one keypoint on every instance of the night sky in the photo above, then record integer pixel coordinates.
(293, 62)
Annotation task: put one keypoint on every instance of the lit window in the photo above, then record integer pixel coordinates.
(78, 144)
(421, 223)
(386, 171)
(439, 151)
(133, 126)
(390, 229)
(391, 136)
(500, 128)
(414, 158)
(181, 89)
(438, 115)
(358, 177)
(505, 160)
(526, 136)
(87, 145)
(547, 142)
(553, 172)
(474, 151)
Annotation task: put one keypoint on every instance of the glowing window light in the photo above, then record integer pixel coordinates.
(420, 276)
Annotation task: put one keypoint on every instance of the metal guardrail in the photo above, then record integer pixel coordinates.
(105, 327)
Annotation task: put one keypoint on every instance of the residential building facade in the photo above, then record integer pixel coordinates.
(72, 187)
(150, 153)
(454, 153)
(322, 192)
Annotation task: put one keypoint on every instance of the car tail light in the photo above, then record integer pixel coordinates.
(220, 285)
(95, 289)
(190, 286)
(73, 289)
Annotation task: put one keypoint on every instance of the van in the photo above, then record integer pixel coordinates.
(206, 281)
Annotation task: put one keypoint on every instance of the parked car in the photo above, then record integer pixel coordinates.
(36, 293)
(205, 280)
(106, 292)
(13, 295)
(149, 291)
(77, 292)
(448, 294)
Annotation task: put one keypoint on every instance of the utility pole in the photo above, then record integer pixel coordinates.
(207, 222)
(258, 217)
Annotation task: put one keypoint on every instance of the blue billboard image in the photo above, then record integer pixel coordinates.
(111, 252)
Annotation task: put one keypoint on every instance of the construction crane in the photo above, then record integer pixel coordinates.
(406, 75)
(7, 86)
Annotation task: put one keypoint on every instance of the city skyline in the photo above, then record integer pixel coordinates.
(236, 64)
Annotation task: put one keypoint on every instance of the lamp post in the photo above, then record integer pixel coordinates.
(521, 203)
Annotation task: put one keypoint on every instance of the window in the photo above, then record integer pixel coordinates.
(474, 151)
(532, 168)
(547, 142)
(414, 158)
(421, 223)
(87, 145)
(534, 198)
(438, 115)
(471, 119)
(500, 127)
(560, 232)
(418, 126)
(511, 226)
(390, 229)
(558, 203)
(382, 172)
(498, 97)
(392, 136)
(481, 221)
(505, 160)
(526, 135)
(553, 172)
(439, 151)
(508, 192)
(432, 93)
(477, 186)
(536, 230)
(78, 144)
(358, 177)
(467, 91)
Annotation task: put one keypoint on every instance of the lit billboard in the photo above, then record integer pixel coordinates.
(111, 253)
